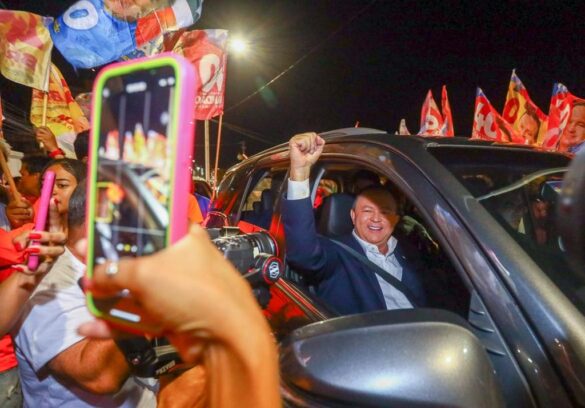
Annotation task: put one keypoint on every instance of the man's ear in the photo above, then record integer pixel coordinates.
(352, 215)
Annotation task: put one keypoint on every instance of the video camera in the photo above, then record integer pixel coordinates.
(254, 255)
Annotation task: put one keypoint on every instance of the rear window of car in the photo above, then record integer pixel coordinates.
(520, 189)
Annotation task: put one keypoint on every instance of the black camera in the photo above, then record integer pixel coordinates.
(254, 255)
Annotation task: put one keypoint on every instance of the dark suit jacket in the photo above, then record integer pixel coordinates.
(342, 280)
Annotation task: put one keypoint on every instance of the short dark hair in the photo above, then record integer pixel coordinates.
(35, 163)
(74, 167)
(76, 211)
(379, 189)
(81, 145)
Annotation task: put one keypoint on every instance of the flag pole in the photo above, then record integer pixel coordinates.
(217, 154)
(206, 123)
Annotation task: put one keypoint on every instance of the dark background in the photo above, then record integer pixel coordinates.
(368, 61)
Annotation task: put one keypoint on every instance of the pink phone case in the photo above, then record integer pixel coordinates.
(41, 220)
(183, 147)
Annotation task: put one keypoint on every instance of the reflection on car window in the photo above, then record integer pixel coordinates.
(259, 203)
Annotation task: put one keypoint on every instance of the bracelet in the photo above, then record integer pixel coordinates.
(57, 152)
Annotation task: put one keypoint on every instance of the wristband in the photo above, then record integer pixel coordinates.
(57, 152)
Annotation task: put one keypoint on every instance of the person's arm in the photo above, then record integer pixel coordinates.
(97, 366)
(209, 314)
(46, 137)
(16, 289)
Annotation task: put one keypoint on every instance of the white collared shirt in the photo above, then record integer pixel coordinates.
(394, 298)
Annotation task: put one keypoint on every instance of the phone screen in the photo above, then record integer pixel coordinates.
(134, 165)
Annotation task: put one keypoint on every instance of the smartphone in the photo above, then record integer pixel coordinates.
(42, 212)
(141, 145)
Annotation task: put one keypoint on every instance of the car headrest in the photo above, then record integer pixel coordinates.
(267, 200)
(334, 219)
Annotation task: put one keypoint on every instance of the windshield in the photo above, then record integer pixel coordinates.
(521, 194)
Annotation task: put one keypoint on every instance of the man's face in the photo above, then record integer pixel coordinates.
(574, 133)
(374, 217)
(29, 182)
(528, 128)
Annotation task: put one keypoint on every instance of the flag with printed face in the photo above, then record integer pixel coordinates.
(25, 48)
(447, 129)
(206, 49)
(558, 115)
(525, 117)
(95, 32)
(64, 116)
(431, 120)
(489, 125)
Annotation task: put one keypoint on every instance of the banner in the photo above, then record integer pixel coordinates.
(489, 125)
(447, 129)
(64, 116)
(558, 115)
(523, 114)
(95, 32)
(403, 129)
(25, 48)
(431, 120)
(206, 49)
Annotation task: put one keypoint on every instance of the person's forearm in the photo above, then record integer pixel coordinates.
(14, 292)
(97, 366)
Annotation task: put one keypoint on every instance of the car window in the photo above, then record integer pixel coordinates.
(258, 204)
(445, 288)
(522, 199)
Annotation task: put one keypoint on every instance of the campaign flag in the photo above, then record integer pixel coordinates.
(558, 115)
(95, 32)
(447, 128)
(431, 120)
(522, 113)
(25, 48)
(64, 116)
(206, 49)
(489, 125)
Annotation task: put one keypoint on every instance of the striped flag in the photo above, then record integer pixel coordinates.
(25, 48)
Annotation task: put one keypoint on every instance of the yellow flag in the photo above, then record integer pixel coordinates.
(64, 116)
(25, 48)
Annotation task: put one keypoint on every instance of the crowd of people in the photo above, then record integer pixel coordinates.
(54, 353)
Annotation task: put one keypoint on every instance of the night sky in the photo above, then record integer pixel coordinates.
(371, 61)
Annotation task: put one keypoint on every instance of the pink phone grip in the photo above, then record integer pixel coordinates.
(41, 219)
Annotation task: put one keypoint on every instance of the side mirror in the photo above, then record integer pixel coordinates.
(571, 213)
(418, 357)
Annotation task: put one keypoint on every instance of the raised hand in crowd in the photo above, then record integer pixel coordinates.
(48, 140)
(209, 314)
(305, 149)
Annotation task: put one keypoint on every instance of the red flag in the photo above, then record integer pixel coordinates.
(489, 125)
(206, 49)
(431, 120)
(25, 49)
(523, 114)
(558, 115)
(447, 128)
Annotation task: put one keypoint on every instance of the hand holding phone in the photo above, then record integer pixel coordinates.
(43, 210)
(140, 151)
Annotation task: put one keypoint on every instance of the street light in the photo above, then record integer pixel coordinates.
(238, 45)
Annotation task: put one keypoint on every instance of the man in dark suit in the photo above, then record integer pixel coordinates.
(346, 282)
